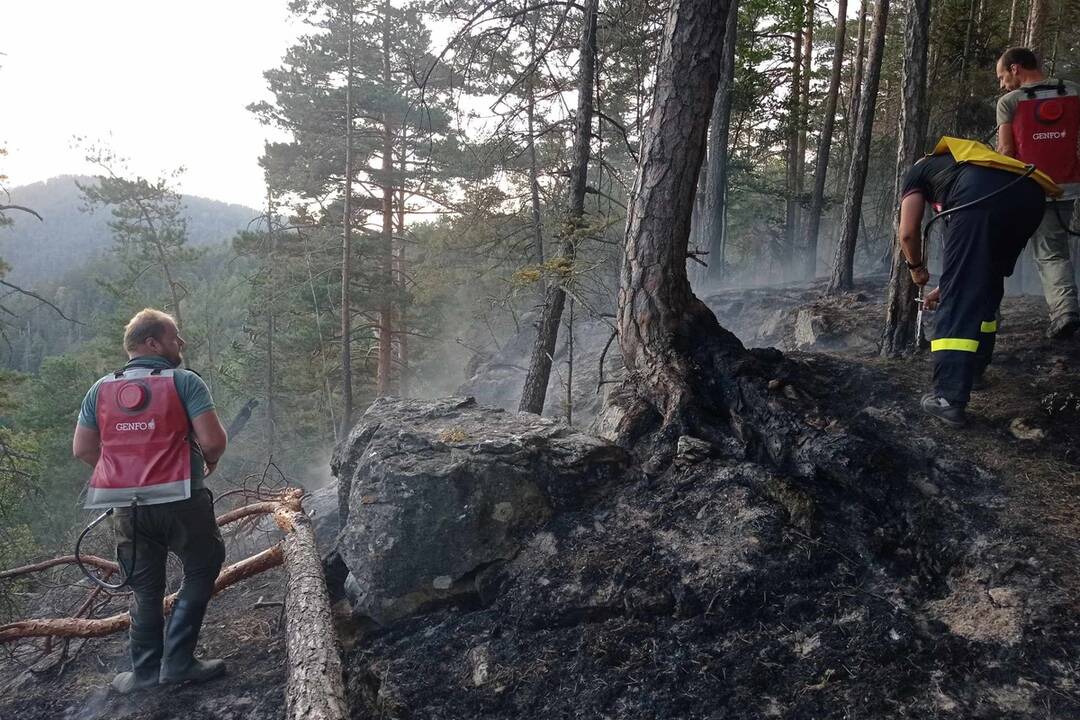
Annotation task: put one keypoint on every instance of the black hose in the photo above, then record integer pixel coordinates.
(1028, 170)
(134, 543)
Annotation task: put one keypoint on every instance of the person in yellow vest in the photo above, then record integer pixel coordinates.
(991, 206)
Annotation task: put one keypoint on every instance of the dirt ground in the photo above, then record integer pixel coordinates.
(938, 579)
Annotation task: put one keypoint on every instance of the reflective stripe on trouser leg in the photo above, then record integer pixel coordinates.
(987, 340)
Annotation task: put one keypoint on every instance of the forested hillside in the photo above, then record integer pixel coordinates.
(68, 236)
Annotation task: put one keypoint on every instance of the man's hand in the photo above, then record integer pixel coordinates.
(931, 301)
(920, 275)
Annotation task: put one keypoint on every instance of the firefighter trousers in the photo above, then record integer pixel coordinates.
(980, 249)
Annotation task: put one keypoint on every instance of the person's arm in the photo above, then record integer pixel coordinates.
(910, 236)
(86, 445)
(211, 436)
(1005, 144)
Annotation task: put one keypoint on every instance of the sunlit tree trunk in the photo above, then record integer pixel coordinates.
(898, 335)
(821, 163)
(843, 271)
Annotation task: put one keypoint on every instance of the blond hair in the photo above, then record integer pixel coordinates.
(147, 323)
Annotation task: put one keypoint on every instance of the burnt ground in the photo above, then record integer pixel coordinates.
(940, 580)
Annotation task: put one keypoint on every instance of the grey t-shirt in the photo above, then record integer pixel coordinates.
(189, 386)
(1006, 109)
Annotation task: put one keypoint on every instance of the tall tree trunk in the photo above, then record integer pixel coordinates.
(804, 105)
(1036, 30)
(679, 360)
(821, 163)
(536, 380)
(537, 254)
(898, 335)
(401, 344)
(271, 442)
(346, 247)
(791, 222)
(844, 259)
(384, 372)
(1013, 7)
(856, 86)
(716, 179)
(963, 86)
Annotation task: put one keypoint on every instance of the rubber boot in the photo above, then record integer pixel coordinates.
(179, 664)
(145, 648)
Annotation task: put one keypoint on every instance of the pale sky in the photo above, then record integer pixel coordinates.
(163, 84)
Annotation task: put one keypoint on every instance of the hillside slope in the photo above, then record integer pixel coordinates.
(68, 237)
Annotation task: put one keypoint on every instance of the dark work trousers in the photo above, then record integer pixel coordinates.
(187, 528)
(980, 250)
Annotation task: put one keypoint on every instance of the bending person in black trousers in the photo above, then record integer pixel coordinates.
(981, 245)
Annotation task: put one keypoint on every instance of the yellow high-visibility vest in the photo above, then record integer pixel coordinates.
(976, 153)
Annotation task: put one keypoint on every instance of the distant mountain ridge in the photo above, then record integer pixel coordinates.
(69, 237)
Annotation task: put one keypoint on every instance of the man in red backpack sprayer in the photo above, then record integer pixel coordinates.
(1039, 124)
(152, 435)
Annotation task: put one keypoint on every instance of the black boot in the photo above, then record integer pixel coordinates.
(951, 414)
(181, 637)
(145, 647)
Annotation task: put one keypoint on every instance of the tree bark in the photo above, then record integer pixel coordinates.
(314, 689)
(683, 368)
(898, 335)
(791, 221)
(384, 371)
(716, 179)
(270, 428)
(821, 163)
(536, 379)
(346, 247)
(1036, 21)
(855, 93)
(1012, 20)
(963, 86)
(844, 259)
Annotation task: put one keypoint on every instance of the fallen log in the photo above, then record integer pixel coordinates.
(92, 560)
(71, 627)
(314, 689)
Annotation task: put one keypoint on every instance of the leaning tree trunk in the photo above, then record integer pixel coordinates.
(821, 164)
(844, 259)
(547, 332)
(716, 179)
(684, 370)
(899, 333)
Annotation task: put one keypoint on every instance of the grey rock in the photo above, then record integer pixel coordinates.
(432, 493)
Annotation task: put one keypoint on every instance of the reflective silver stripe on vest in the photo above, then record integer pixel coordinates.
(151, 495)
(137, 372)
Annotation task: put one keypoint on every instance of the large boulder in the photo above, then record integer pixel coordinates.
(432, 494)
